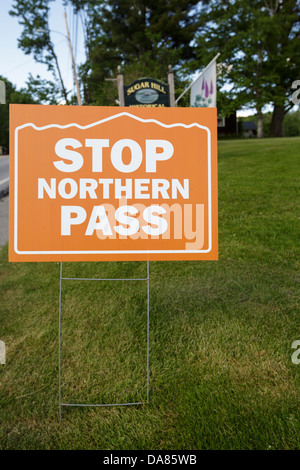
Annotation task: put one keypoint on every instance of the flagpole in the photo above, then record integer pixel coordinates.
(184, 92)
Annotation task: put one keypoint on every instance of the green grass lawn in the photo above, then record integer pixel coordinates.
(221, 375)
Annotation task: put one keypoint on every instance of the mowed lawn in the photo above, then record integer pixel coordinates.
(221, 333)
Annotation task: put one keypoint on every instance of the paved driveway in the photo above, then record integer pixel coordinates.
(4, 175)
(3, 220)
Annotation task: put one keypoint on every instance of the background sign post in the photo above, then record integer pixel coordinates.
(171, 86)
(120, 85)
(2, 92)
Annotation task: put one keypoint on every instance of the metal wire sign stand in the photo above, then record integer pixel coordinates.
(62, 404)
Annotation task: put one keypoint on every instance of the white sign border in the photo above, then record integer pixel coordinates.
(109, 252)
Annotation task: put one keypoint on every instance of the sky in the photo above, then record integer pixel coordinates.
(16, 66)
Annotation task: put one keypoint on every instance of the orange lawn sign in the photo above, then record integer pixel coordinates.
(107, 183)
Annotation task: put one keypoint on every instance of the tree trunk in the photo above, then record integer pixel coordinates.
(277, 120)
(63, 90)
(260, 131)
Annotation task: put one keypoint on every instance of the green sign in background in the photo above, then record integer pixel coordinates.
(147, 92)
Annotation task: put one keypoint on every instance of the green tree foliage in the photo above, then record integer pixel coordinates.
(144, 37)
(260, 50)
(45, 91)
(291, 124)
(35, 38)
(258, 41)
(12, 96)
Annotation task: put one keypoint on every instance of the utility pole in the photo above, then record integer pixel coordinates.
(73, 62)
